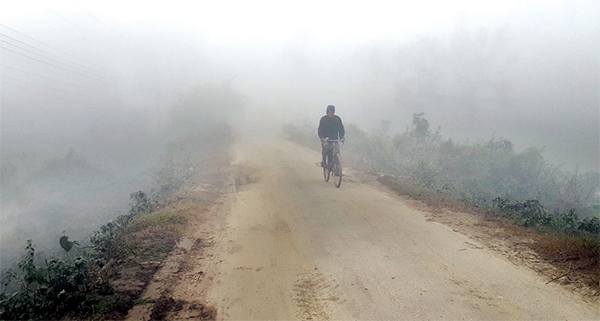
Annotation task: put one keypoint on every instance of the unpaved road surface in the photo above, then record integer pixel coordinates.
(289, 246)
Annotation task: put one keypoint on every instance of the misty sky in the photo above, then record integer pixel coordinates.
(104, 61)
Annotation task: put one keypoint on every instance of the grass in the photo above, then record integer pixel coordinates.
(162, 218)
(576, 255)
(121, 305)
(405, 186)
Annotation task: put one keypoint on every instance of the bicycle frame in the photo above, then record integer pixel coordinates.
(333, 162)
(334, 147)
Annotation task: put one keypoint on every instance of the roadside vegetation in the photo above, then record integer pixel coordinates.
(103, 277)
(488, 178)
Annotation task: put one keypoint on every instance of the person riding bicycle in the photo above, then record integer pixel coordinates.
(330, 127)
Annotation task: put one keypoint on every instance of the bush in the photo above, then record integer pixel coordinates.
(44, 292)
(62, 285)
(105, 240)
(591, 225)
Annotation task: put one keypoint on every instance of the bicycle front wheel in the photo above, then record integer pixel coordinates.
(337, 170)
(326, 171)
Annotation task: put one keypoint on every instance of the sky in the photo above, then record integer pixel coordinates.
(278, 21)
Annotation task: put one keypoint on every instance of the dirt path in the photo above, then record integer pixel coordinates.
(286, 245)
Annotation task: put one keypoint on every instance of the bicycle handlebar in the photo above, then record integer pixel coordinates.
(333, 140)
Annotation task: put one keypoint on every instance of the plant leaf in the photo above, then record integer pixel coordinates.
(65, 243)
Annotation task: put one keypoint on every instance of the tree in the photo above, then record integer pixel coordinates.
(420, 127)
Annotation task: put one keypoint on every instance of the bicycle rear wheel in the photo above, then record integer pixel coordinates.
(326, 171)
(337, 170)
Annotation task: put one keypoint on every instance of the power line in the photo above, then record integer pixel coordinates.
(53, 60)
(93, 74)
(101, 76)
(48, 53)
(86, 76)
(45, 44)
(58, 92)
(47, 63)
(89, 88)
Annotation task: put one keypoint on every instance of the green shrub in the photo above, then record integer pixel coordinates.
(591, 225)
(46, 291)
(105, 240)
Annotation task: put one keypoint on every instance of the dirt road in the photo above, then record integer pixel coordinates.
(292, 247)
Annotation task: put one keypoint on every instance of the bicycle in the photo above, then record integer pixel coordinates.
(333, 162)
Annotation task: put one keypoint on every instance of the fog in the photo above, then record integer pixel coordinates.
(94, 83)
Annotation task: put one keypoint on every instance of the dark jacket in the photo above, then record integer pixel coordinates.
(331, 127)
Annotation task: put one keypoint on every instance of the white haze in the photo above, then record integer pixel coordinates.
(113, 69)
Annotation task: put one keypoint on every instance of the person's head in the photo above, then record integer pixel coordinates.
(330, 110)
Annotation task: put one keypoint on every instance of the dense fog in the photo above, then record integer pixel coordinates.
(89, 88)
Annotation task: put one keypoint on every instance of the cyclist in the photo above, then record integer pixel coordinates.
(330, 127)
